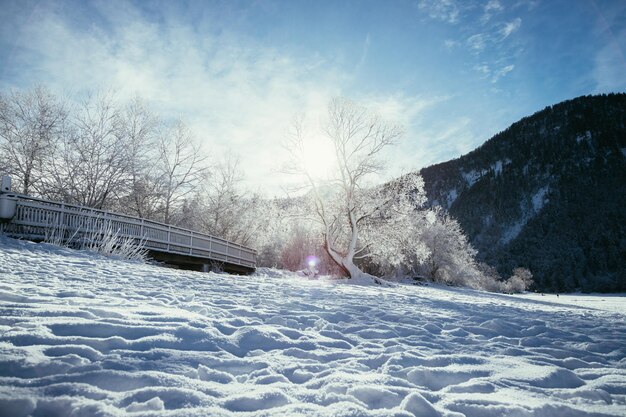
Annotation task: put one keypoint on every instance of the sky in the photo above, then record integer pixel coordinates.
(452, 73)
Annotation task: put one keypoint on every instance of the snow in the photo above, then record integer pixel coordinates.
(539, 198)
(537, 201)
(85, 335)
(511, 232)
(452, 196)
(471, 177)
(607, 302)
(497, 167)
(587, 137)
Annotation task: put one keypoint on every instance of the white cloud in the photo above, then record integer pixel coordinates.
(483, 69)
(490, 48)
(510, 27)
(492, 7)
(493, 74)
(502, 72)
(445, 10)
(416, 148)
(477, 42)
(400, 108)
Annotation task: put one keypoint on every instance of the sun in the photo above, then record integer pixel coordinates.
(319, 158)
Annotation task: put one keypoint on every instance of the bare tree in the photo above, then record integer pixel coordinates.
(343, 204)
(223, 198)
(100, 154)
(31, 123)
(139, 127)
(180, 166)
(222, 207)
(92, 167)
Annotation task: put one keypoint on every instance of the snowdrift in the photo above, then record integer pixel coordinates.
(83, 335)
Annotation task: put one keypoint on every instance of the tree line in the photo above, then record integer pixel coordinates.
(121, 156)
(100, 152)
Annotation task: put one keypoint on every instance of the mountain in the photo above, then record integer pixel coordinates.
(548, 193)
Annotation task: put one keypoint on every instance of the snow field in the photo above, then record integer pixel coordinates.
(83, 335)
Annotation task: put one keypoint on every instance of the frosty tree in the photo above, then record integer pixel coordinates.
(140, 128)
(227, 210)
(344, 207)
(31, 124)
(91, 166)
(451, 258)
(180, 166)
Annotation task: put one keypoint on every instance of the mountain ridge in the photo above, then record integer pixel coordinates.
(547, 193)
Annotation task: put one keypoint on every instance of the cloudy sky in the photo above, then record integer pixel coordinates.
(454, 73)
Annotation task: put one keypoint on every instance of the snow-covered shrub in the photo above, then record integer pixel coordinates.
(103, 240)
(59, 236)
(109, 242)
(451, 258)
(489, 279)
(520, 281)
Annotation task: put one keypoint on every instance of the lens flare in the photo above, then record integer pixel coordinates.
(312, 261)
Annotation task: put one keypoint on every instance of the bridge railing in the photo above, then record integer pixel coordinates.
(38, 219)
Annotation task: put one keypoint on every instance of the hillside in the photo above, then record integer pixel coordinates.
(548, 193)
(85, 335)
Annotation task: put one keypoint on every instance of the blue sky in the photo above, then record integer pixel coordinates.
(452, 72)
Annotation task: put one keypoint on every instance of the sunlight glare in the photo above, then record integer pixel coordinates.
(319, 158)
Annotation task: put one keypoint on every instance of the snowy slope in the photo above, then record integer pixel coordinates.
(83, 335)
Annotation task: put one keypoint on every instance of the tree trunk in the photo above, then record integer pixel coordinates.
(347, 264)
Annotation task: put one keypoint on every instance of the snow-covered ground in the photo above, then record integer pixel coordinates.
(84, 335)
(607, 302)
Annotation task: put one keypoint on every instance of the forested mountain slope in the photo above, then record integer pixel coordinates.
(548, 193)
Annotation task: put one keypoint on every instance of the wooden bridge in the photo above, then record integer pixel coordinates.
(37, 219)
